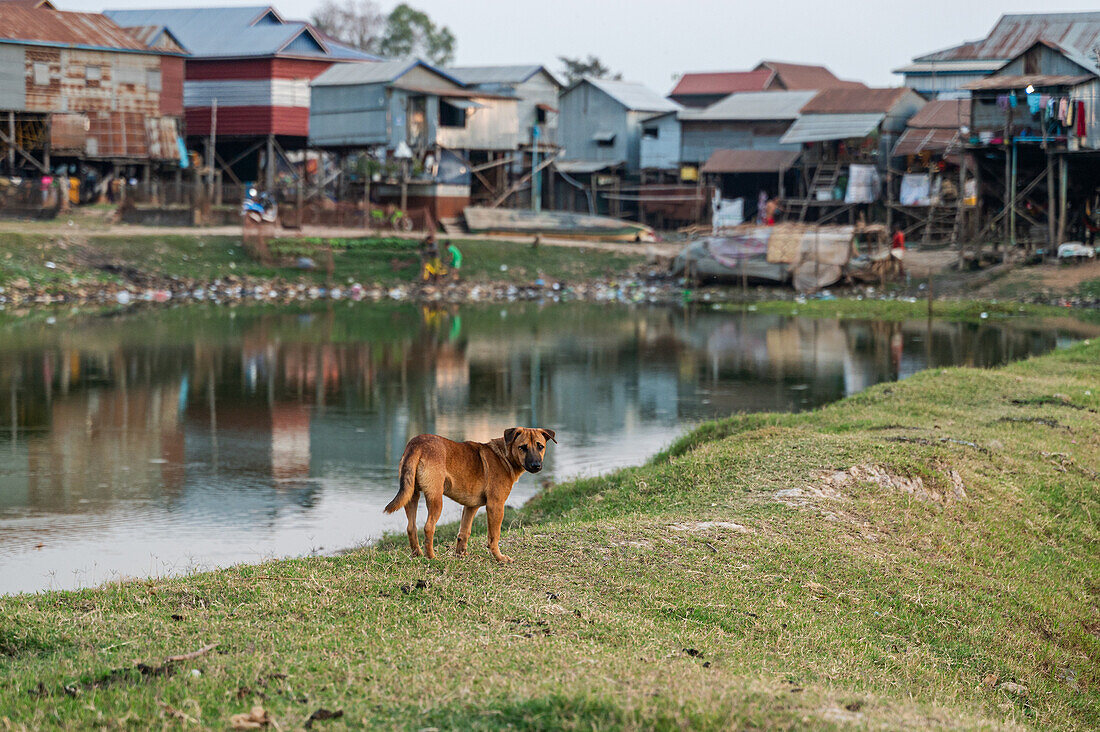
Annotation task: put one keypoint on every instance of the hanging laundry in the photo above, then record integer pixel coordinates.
(1034, 103)
(1063, 107)
(1081, 131)
(1071, 108)
(1002, 102)
(1012, 101)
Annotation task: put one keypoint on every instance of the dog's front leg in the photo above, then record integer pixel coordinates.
(464, 529)
(495, 514)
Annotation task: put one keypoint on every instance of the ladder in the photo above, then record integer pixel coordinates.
(825, 179)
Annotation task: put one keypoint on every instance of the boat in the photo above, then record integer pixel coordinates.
(556, 224)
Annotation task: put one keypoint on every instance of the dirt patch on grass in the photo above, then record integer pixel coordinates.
(699, 526)
(837, 484)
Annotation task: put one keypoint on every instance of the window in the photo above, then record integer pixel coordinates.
(651, 133)
(93, 73)
(152, 80)
(41, 74)
(540, 115)
(451, 115)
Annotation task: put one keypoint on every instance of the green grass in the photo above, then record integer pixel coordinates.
(862, 604)
(98, 259)
(905, 310)
(1089, 288)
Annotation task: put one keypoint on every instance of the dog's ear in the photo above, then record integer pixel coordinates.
(549, 434)
(510, 434)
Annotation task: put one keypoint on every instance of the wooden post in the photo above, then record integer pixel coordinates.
(960, 214)
(929, 295)
(1012, 204)
(1064, 184)
(1051, 204)
(301, 201)
(11, 144)
(269, 166)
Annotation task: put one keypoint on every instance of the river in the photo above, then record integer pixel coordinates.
(173, 440)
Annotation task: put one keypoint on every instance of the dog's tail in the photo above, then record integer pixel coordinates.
(407, 479)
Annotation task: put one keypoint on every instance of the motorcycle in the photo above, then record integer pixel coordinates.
(259, 208)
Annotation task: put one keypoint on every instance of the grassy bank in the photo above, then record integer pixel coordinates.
(902, 309)
(57, 264)
(738, 580)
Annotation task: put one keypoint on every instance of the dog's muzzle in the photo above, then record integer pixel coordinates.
(533, 467)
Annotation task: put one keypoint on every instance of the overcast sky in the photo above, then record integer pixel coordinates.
(652, 41)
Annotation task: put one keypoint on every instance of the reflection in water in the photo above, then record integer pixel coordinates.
(172, 440)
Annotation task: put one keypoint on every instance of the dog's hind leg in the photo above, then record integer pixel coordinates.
(435, 508)
(410, 512)
(464, 529)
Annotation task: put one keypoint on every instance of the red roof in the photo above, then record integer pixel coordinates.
(750, 161)
(800, 77)
(23, 22)
(942, 113)
(722, 82)
(856, 101)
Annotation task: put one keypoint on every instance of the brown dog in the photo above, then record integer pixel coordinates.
(474, 474)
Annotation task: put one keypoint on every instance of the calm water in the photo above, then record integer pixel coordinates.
(175, 440)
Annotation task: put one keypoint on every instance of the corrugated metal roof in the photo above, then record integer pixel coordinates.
(21, 22)
(945, 113)
(822, 127)
(633, 96)
(721, 82)
(917, 140)
(233, 32)
(951, 67)
(1014, 33)
(801, 77)
(585, 166)
(753, 106)
(1021, 82)
(750, 161)
(516, 74)
(856, 101)
(382, 72)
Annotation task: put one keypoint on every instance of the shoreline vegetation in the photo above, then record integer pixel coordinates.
(921, 554)
(39, 270)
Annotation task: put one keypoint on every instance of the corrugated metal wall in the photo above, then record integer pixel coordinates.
(13, 82)
(492, 127)
(171, 86)
(350, 115)
(701, 139)
(1089, 93)
(538, 90)
(663, 151)
(248, 93)
(586, 111)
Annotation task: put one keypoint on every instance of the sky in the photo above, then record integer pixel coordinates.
(653, 41)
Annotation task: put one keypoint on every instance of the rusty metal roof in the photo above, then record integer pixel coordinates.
(917, 140)
(942, 113)
(1041, 81)
(722, 82)
(796, 77)
(1014, 33)
(20, 22)
(856, 101)
(750, 161)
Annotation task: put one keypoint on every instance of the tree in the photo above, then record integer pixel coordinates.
(576, 68)
(410, 32)
(358, 23)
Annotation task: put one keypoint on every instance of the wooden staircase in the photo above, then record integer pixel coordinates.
(940, 224)
(453, 225)
(825, 178)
